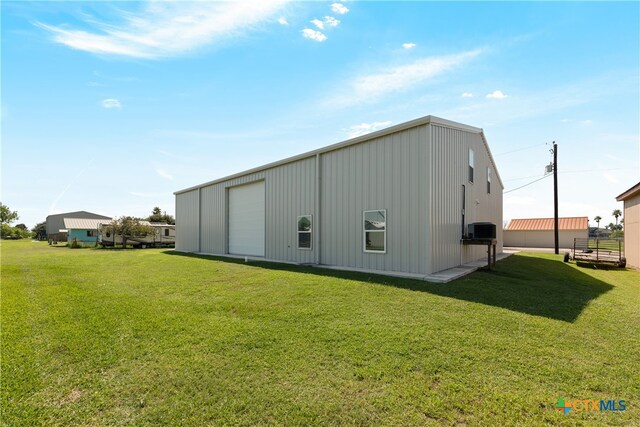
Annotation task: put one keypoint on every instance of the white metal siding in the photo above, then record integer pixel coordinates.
(449, 151)
(212, 220)
(389, 173)
(632, 230)
(247, 219)
(416, 174)
(289, 193)
(187, 221)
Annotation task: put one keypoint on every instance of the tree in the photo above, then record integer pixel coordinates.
(129, 228)
(158, 216)
(40, 231)
(616, 213)
(597, 220)
(7, 216)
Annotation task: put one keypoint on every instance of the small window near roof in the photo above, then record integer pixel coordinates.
(470, 165)
(488, 181)
(304, 231)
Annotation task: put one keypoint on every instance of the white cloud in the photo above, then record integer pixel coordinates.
(610, 177)
(313, 35)
(167, 29)
(163, 173)
(467, 95)
(111, 103)
(331, 21)
(497, 94)
(365, 128)
(318, 23)
(283, 21)
(586, 122)
(339, 8)
(146, 195)
(399, 78)
(408, 45)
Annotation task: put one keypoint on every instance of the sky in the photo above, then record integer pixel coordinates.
(110, 107)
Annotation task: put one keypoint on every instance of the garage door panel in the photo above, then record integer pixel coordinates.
(247, 219)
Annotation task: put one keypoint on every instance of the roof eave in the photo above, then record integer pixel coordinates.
(629, 193)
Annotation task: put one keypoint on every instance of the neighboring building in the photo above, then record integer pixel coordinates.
(631, 214)
(539, 232)
(601, 233)
(55, 223)
(82, 230)
(397, 200)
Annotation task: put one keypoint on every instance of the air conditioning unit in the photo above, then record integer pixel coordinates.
(481, 230)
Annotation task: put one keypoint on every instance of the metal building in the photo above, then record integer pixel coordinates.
(397, 200)
(631, 214)
(55, 223)
(539, 232)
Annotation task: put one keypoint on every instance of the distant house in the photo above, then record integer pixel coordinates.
(83, 230)
(55, 223)
(631, 214)
(602, 233)
(539, 232)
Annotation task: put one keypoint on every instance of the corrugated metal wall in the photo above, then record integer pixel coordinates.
(415, 174)
(389, 173)
(187, 221)
(632, 230)
(290, 192)
(449, 151)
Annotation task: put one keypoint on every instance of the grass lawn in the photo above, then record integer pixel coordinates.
(150, 337)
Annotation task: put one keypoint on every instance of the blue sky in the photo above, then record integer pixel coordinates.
(111, 107)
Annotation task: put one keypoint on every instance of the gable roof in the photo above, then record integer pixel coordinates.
(543, 224)
(78, 214)
(629, 193)
(360, 139)
(84, 223)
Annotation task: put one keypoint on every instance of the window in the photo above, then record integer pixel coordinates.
(91, 233)
(304, 232)
(488, 181)
(166, 232)
(108, 234)
(470, 165)
(375, 231)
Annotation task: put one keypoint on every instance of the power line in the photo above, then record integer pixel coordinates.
(520, 149)
(522, 186)
(573, 171)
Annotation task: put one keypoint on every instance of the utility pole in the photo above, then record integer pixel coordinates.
(555, 195)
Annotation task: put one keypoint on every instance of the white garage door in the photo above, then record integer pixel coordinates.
(246, 219)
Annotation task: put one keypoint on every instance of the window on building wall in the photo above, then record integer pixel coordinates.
(470, 165)
(304, 231)
(375, 231)
(488, 181)
(166, 232)
(108, 234)
(91, 233)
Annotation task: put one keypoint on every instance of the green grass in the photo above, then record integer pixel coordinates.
(150, 337)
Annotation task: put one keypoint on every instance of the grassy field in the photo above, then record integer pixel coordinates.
(150, 337)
